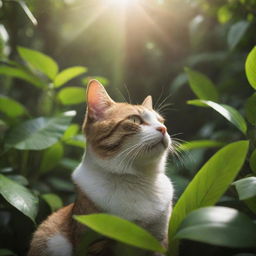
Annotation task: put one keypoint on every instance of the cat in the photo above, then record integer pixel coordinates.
(122, 173)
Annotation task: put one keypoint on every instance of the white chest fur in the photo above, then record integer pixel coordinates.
(142, 199)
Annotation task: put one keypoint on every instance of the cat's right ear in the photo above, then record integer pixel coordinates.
(98, 100)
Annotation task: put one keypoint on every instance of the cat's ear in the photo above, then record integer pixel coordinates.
(148, 102)
(98, 100)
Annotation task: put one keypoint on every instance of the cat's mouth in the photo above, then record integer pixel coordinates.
(162, 143)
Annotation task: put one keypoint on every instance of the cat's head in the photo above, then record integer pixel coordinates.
(123, 134)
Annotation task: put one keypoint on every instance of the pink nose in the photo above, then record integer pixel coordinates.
(161, 129)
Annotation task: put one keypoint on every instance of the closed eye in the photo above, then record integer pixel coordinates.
(135, 119)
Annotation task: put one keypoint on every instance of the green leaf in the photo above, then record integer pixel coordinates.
(71, 132)
(200, 144)
(68, 74)
(53, 200)
(21, 74)
(77, 141)
(39, 61)
(6, 252)
(246, 188)
(236, 33)
(39, 133)
(250, 109)
(121, 230)
(103, 80)
(252, 161)
(231, 114)
(11, 107)
(19, 196)
(210, 183)
(71, 95)
(250, 67)
(51, 157)
(201, 85)
(220, 226)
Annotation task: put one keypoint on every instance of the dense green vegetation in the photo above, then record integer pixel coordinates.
(201, 53)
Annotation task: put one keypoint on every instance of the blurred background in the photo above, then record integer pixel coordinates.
(135, 48)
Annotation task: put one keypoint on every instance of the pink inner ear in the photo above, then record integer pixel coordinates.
(98, 100)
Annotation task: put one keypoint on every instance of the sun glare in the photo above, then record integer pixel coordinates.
(123, 3)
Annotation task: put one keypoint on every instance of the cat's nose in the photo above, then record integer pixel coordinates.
(161, 129)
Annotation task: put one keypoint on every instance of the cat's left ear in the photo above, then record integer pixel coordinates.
(98, 100)
(148, 102)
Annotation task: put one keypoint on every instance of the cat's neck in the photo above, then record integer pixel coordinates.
(128, 195)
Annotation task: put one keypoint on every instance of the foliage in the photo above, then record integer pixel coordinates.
(40, 137)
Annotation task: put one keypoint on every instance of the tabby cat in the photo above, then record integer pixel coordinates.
(122, 173)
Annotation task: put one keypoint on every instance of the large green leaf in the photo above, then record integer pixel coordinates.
(121, 230)
(250, 67)
(71, 95)
(250, 109)
(246, 188)
(200, 144)
(39, 61)
(68, 74)
(219, 226)
(19, 196)
(231, 114)
(21, 74)
(11, 107)
(237, 32)
(201, 85)
(51, 157)
(54, 201)
(209, 184)
(39, 133)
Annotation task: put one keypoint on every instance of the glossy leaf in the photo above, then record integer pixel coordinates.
(53, 200)
(39, 61)
(236, 33)
(71, 95)
(250, 67)
(68, 74)
(121, 230)
(51, 157)
(220, 226)
(19, 196)
(200, 144)
(250, 109)
(210, 183)
(231, 114)
(246, 188)
(11, 107)
(252, 161)
(39, 133)
(201, 85)
(21, 74)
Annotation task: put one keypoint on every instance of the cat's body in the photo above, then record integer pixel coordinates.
(122, 173)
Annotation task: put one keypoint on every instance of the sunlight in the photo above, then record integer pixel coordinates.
(123, 3)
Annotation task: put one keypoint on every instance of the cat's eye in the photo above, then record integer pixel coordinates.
(135, 119)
